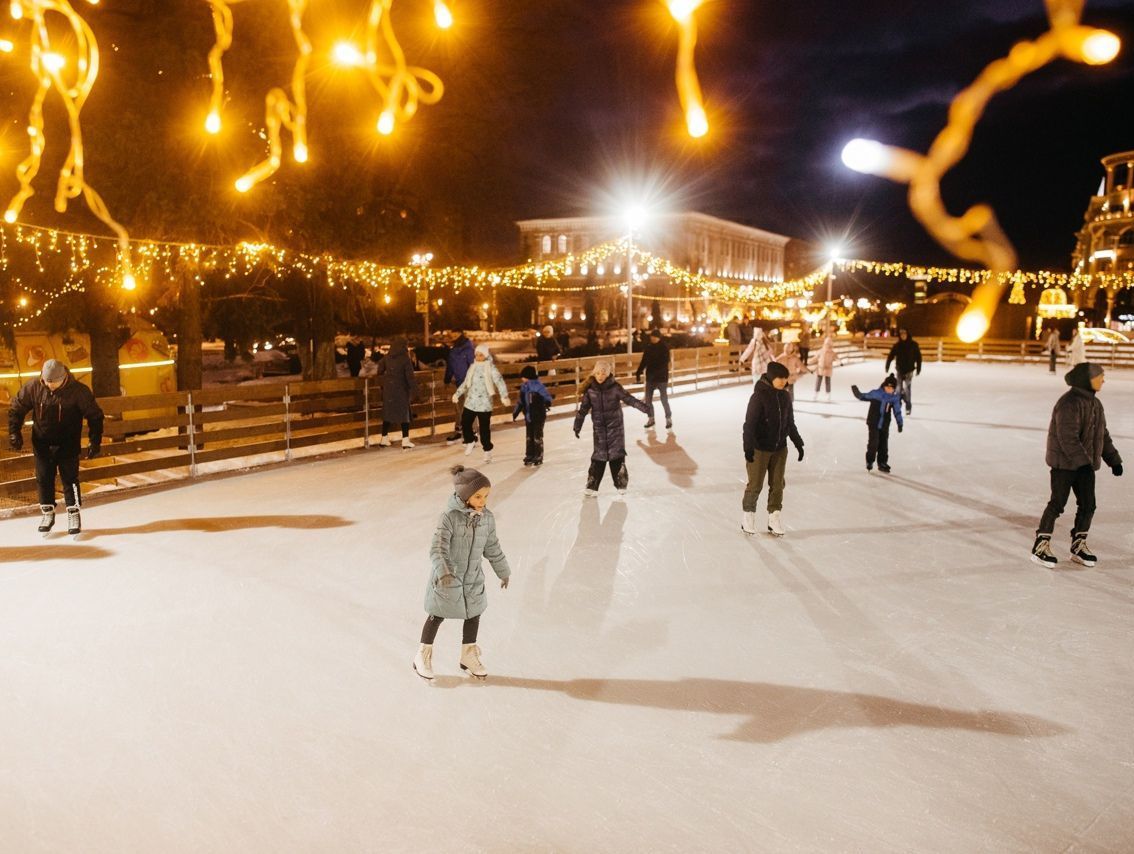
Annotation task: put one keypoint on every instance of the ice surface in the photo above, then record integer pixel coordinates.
(225, 666)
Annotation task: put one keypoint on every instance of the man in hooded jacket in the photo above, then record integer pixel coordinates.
(768, 425)
(1077, 443)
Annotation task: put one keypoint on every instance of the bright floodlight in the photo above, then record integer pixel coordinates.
(442, 15)
(682, 10)
(346, 54)
(1100, 47)
(867, 156)
(635, 216)
(835, 252)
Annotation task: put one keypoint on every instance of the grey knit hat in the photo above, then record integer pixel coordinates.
(53, 371)
(467, 481)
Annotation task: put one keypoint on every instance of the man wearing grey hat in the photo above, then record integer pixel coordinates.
(1077, 443)
(58, 403)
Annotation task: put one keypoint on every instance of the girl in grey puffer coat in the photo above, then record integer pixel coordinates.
(603, 397)
(465, 535)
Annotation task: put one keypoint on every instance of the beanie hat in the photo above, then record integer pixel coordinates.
(890, 380)
(776, 371)
(528, 373)
(467, 481)
(483, 348)
(53, 371)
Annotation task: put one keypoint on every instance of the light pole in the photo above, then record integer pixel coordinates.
(634, 218)
(422, 259)
(835, 254)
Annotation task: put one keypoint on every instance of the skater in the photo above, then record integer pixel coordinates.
(768, 424)
(477, 389)
(602, 397)
(825, 366)
(457, 364)
(1077, 441)
(1051, 347)
(547, 348)
(58, 404)
(398, 388)
(655, 362)
(355, 353)
(883, 401)
(804, 343)
(907, 354)
(1077, 350)
(466, 533)
(791, 360)
(759, 351)
(534, 400)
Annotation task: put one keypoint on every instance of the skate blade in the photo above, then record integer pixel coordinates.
(466, 672)
(774, 534)
(1036, 559)
(1076, 559)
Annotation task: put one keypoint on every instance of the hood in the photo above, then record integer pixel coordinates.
(462, 343)
(1080, 377)
(455, 503)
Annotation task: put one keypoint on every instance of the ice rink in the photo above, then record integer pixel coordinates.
(224, 666)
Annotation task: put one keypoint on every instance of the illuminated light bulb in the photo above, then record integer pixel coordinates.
(129, 282)
(299, 151)
(346, 54)
(213, 123)
(1100, 47)
(972, 326)
(16, 10)
(244, 184)
(23, 302)
(10, 216)
(386, 123)
(54, 62)
(442, 14)
(682, 10)
(696, 122)
(867, 156)
(6, 46)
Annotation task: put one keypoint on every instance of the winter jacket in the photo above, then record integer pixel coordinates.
(655, 362)
(460, 359)
(1051, 343)
(456, 584)
(825, 361)
(794, 364)
(770, 420)
(1078, 350)
(604, 402)
(534, 401)
(907, 354)
(57, 416)
(759, 351)
(1077, 435)
(882, 403)
(478, 387)
(547, 349)
(398, 387)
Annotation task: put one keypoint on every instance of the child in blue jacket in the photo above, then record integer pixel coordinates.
(534, 401)
(883, 401)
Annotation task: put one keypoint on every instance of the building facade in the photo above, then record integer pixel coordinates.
(1105, 243)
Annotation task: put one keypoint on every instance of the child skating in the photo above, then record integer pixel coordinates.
(466, 534)
(602, 396)
(534, 400)
(481, 382)
(883, 401)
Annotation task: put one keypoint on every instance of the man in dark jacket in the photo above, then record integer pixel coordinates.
(907, 354)
(355, 353)
(58, 403)
(546, 347)
(655, 362)
(602, 396)
(770, 422)
(461, 356)
(1077, 442)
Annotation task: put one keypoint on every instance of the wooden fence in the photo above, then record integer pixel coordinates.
(986, 350)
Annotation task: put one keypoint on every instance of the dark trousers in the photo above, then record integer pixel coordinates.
(1051, 357)
(386, 425)
(618, 471)
(48, 461)
(819, 382)
(905, 389)
(484, 423)
(878, 445)
(1081, 481)
(773, 466)
(432, 624)
(662, 387)
(533, 433)
(803, 353)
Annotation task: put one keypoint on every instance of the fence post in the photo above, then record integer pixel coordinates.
(940, 349)
(287, 421)
(1113, 355)
(432, 403)
(696, 368)
(366, 412)
(980, 348)
(192, 437)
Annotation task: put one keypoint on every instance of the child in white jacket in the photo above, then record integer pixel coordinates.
(481, 382)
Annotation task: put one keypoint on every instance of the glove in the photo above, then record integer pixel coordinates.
(749, 458)
(899, 428)
(1117, 470)
(456, 398)
(506, 401)
(855, 391)
(503, 583)
(16, 441)
(94, 450)
(800, 449)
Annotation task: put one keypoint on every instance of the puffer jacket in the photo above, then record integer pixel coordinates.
(882, 403)
(462, 539)
(770, 420)
(459, 361)
(604, 402)
(1077, 435)
(398, 387)
(57, 416)
(825, 361)
(478, 386)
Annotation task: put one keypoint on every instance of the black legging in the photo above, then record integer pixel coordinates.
(484, 421)
(432, 624)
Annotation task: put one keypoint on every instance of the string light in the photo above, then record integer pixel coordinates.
(976, 235)
(222, 26)
(688, 87)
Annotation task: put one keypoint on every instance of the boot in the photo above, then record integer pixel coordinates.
(406, 443)
(828, 397)
(748, 522)
(774, 524)
(470, 661)
(649, 423)
(47, 520)
(74, 524)
(1079, 551)
(468, 447)
(384, 442)
(423, 661)
(1041, 551)
(668, 423)
(488, 456)
(453, 438)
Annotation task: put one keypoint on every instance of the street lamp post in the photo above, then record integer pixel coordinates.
(634, 218)
(422, 259)
(835, 253)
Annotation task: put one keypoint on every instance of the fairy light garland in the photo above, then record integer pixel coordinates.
(976, 235)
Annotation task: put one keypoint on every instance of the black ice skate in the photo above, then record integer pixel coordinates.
(74, 523)
(884, 467)
(1041, 552)
(47, 520)
(1080, 553)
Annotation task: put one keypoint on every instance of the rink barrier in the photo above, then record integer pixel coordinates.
(190, 434)
(1109, 355)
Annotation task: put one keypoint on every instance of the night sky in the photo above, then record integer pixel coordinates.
(562, 107)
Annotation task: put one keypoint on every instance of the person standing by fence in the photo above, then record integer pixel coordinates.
(457, 364)
(1051, 347)
(907, 354)
(398, 388)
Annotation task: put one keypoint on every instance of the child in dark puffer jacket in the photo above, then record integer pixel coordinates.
(883, 401)
(534, 401)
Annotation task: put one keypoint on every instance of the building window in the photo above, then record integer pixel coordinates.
(1126, 238)
(562, 244)
(545, 245)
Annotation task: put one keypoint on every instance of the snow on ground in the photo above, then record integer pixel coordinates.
(225, 665)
